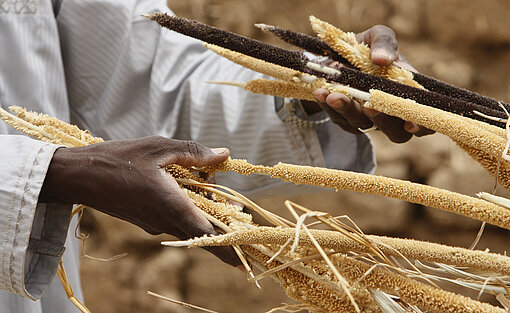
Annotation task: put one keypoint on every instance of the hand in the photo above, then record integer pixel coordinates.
(127, 179)
(350, 115)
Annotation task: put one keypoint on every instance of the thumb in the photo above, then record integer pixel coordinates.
(190, 153)
(383, 45)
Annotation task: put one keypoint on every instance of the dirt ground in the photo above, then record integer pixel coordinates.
(466, 43)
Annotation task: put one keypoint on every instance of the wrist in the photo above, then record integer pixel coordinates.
(66, 177)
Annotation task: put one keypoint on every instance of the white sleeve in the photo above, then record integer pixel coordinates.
(140, 80)
(32, 235)
(28, 256)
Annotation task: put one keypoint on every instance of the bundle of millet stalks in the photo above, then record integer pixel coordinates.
(335, 270)
(478, 124)
(475, 122)
(359, 73)
(341, 269)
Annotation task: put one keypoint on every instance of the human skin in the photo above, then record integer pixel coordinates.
(350, 115)
(127, 179)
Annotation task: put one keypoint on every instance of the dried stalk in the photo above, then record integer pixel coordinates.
(189, 306)
(413, 292)
(61, 273)
(411, 249)
(483, 143)
(257, 65)
(490, 163)
(65, 129)
(451, 125)
(298, 284)
(277, 88)
(383, 186)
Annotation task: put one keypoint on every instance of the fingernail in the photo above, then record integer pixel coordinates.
(337, 104)
(219, 150)
(371, 112)
(411, 127)
(242, 268)
(381, 54)
(320, 95)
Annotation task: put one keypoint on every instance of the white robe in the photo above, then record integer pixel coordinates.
(121, 76)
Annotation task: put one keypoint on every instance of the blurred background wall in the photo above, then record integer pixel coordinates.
(466, 43)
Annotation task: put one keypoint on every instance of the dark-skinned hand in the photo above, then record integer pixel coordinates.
(127, 179)
(350, 115)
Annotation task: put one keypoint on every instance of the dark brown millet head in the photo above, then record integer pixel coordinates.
(453, 91)
(251, 47)
(303, 41)
(439, 97)
(364, 82)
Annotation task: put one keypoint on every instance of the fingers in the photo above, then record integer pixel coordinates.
(391, 126)
(351, 117)
(417, 130)
(189, 153)
(192, 223)
(226, 254)
(185, 215)
(402, 62)
(343, 111)
(384, 47)
(382, 42)
(336, 117)
(349, 109)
